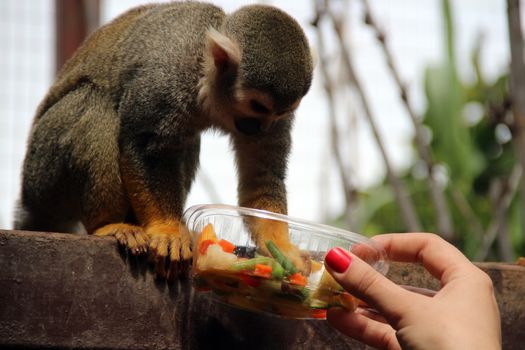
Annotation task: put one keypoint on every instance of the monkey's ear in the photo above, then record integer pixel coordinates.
(224, 51)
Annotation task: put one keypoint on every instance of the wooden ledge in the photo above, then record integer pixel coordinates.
(78, 291)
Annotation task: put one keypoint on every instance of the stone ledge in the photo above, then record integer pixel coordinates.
(77, 291)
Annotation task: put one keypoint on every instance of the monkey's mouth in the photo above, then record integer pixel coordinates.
(248, 126)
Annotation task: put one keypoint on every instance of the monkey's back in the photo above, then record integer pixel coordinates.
(71, 169)
(169, 36)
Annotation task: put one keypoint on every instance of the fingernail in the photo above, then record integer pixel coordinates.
(338, 260)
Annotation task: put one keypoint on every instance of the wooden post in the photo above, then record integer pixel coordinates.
(79, 291)
(74, 21)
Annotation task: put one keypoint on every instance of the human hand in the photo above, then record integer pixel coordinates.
(463, 314)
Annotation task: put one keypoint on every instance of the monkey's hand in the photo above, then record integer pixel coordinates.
(132, 237)
(277, 232)
(170, 249)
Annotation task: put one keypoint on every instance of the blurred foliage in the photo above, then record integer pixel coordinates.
(472, 147)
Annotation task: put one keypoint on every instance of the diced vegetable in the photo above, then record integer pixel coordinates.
(215, 259)
(208, 233)
(318, 313)
(297, 279)
(277, 270)
(302, 293)
(245, 252)
(318, 304)
(288, 266)
(328, 283)
(250, 263)
(264, 271)
(265, 283)
(203, 247)
(315, 265)
(249, 280)
(228, 247)
(305, 293)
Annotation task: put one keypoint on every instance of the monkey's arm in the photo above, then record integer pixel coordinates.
(157, 182)
(262, 163)
(159, 157)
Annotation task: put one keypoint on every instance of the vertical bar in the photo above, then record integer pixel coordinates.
(517, 85)
(74, 20)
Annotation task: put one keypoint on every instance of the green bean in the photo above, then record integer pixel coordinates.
(288, 266)
(250, 264)
(277, 270)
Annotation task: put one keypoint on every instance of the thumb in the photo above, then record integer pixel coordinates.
(365, 283)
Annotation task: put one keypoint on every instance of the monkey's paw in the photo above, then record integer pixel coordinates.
(277, 232)
(294, 255)
(170, 250)
(132, 237)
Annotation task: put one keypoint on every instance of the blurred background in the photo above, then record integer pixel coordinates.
(409, 126)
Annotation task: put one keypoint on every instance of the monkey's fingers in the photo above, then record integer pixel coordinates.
(131, 236)
(180, 255)
(159, 244)
(135, 241)
(142, 241)
(173, 270)
(161, 266)
(294, 255)
(170, 250)
(158, 247)
(277, 232)
(185, 246)
(174, 248)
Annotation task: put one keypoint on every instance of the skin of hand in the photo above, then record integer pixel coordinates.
(463, 314)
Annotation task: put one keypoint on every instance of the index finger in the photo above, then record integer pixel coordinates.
(440, 258)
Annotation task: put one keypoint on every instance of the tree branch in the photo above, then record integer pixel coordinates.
(348, 188)
(502, 205)
(444, 223)
(405, 203)
(517, 84)
(466, 210)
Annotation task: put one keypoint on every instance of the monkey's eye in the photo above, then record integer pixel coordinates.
(258, 107)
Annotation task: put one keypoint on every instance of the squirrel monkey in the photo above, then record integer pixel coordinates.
(115, 143)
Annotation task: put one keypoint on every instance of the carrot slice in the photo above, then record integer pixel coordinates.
(203, 247)
(264, 271)
(249, 280)
(318, 313)
(297, 279)
(228, 247)
(208, 233)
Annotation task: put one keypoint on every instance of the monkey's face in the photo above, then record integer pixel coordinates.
(255, 112)
(255, 70)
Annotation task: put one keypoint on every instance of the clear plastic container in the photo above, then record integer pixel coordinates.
(228, 262)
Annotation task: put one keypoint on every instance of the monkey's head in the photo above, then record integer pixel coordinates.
(257, 68)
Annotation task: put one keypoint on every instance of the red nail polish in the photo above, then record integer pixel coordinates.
(338, 260)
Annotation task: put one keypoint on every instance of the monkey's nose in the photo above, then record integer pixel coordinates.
(248, 126)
